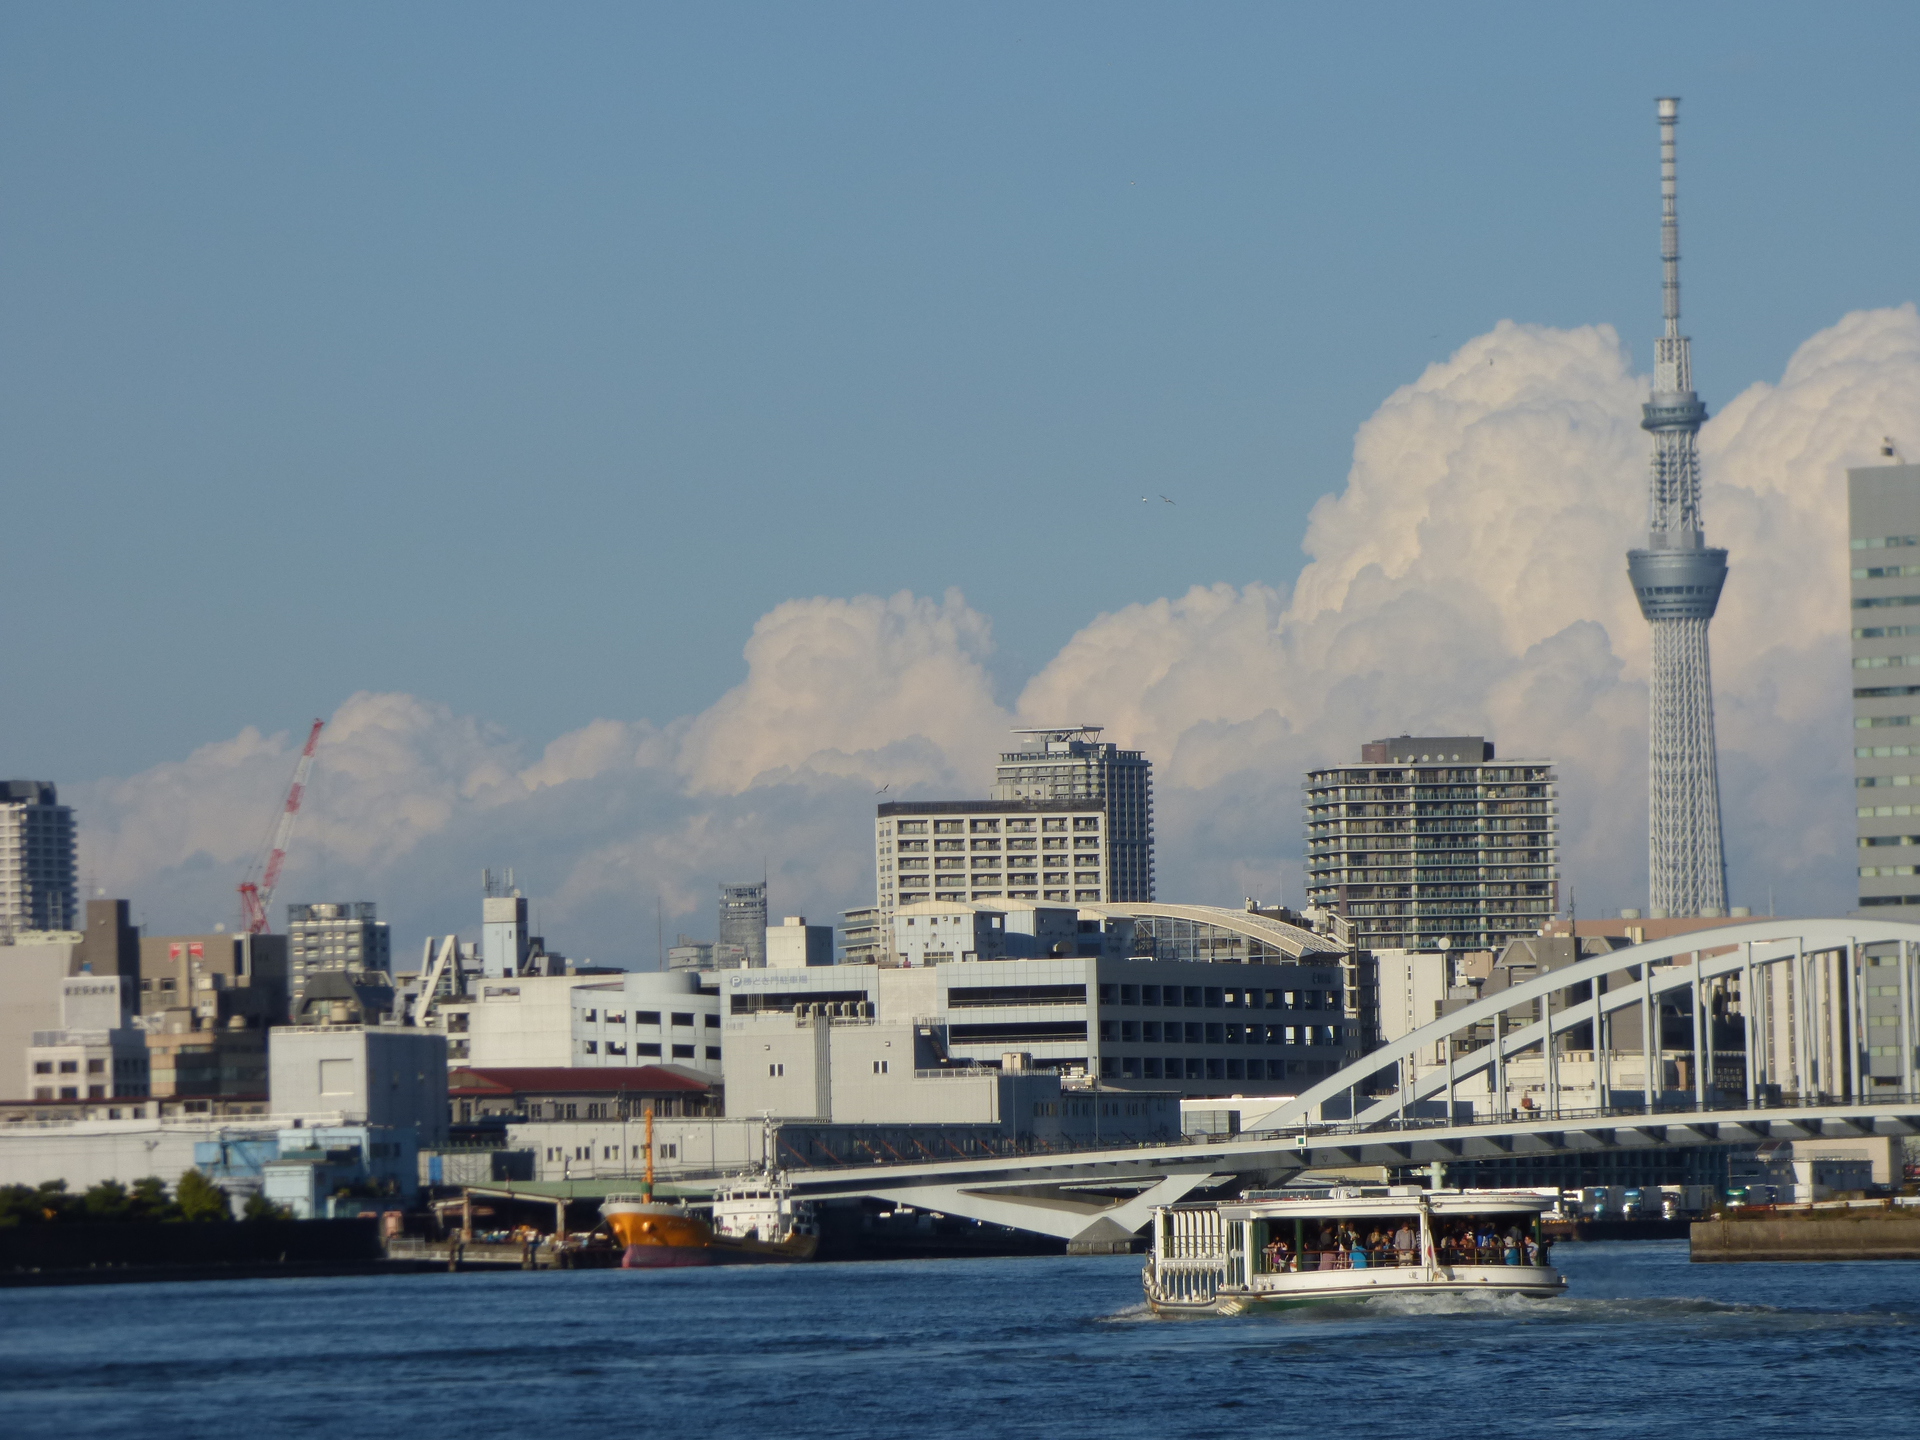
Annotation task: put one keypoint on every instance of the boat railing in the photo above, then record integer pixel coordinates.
(1286, 1262)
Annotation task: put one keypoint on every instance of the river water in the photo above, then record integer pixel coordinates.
(1645, 1344)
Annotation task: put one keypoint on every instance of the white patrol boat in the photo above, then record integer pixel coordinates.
(1294, 1247)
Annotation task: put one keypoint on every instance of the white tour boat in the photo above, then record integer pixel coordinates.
(1348, 1243)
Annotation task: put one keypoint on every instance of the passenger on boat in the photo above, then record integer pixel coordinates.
(1329, 1258)
(1404, 1241)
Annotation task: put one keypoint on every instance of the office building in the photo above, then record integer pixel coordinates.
(38, 892)
(98, 1053)
(793, 943)
(336, 936)
(1883, 510)
(207, 1002)
(1677, 580)
(1430, 842)
(33, 972)
(1191, 999)
(743, 922)
(611, 1019)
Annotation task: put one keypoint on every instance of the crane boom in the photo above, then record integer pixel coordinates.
(256, 897)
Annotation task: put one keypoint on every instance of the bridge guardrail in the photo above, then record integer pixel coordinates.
(1663, 1112)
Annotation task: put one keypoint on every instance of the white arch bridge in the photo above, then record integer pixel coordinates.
(1751, 1031)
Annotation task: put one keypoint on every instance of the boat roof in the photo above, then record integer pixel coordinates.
(1342, 1203)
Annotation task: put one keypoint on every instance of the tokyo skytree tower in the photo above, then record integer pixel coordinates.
(1677, 580)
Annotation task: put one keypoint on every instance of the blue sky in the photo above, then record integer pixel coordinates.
(520, 357)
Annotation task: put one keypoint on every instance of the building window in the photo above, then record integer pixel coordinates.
(713, 1052)
(776, 1070)
(653, 1050)
(685, 1019)
(683, 1052)
(713, 1021)
(880, 1067)
(669, 1151)
(43, 1067)
(646, 1017)
(592, 1047)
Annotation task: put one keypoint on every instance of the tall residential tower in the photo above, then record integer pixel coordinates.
(1430, 842)
(37, 883)
(1677, 580)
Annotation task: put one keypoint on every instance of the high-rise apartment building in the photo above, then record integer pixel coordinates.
(1430, 842)
(1074, 764)
(342, 936)
(1071, 819)
(37, 885)
(990, 850)
(743, 922)
(1883, 508)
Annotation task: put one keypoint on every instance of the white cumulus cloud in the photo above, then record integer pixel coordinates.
(1469, 578)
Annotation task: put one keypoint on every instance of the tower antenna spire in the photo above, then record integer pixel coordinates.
(1669, 110)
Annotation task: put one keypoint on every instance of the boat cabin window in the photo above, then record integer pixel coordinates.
(1287, 1245)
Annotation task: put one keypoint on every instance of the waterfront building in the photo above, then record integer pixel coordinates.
(1192, 999)
(1677, 580)
(1430, 841)
(335, 936)
(574, 1092)
(1883, 510)
(391, 1077)
(38, 890)
(743, 920)
(610, 1019)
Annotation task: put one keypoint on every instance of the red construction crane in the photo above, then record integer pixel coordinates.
(255, 897)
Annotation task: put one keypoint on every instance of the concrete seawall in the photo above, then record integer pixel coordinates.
(1876, 1234)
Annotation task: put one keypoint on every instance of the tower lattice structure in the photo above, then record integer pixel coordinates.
(1677, 580)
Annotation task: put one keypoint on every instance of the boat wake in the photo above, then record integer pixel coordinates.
(1636, 1310)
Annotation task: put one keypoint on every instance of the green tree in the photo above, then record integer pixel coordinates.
(200, 1199)
(258, 1207)
(108, 1200)
(149, 1200)
(37, 1204)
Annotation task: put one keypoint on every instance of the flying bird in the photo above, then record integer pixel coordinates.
(884, 788)
(1165, 498)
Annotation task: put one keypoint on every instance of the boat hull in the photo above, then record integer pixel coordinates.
(667, 1237)
(666, 1257)
(1530, 1282)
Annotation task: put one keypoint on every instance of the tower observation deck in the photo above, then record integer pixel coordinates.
(1677, 579)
